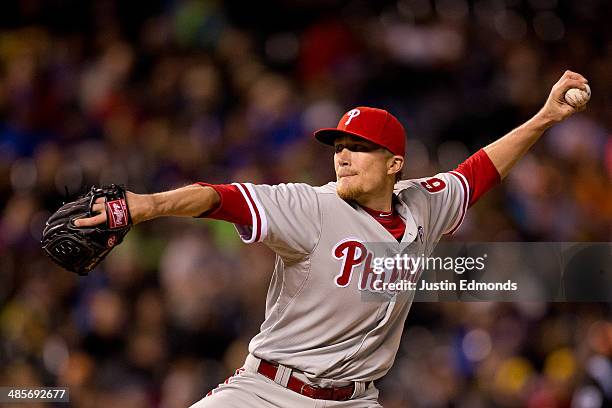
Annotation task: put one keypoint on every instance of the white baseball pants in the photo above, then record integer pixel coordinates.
(248, 388)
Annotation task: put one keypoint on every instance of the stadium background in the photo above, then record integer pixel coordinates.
(162, 94)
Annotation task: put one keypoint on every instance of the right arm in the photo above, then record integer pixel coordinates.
(188, 201)
(507, 150)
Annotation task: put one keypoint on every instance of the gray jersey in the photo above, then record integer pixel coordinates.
(317, 319)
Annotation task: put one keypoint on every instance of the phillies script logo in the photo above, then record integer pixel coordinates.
(354, 255)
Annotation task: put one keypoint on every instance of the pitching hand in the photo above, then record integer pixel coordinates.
(556, 107)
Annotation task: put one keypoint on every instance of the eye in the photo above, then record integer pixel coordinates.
(354, 147)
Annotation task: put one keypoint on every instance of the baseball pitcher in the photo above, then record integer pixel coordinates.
(323, 343)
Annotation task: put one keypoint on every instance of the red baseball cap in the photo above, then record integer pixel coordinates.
(375, 125)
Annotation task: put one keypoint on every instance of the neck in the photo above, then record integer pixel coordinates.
(381, 204)
(379, 201)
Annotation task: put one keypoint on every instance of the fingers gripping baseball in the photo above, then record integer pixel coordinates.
(559, 106)
(573, 75)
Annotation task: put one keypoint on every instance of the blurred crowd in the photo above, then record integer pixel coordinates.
(159, 95)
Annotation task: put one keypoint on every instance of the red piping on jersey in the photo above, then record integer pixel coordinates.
(464, 204)
(256, 210)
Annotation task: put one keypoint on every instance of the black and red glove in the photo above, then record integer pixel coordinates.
(80, 249)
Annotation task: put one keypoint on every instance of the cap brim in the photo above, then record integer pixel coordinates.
(328, 135)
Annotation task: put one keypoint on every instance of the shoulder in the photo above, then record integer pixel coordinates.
(292, 195)
(303, 188)
(329, 188)
(292, 191)
(412, 186)
(432, 185)
(282, 187)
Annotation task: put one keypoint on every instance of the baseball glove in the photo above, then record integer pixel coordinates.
(80, 249)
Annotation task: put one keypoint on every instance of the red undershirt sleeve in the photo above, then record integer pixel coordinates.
(480, 173)
(232, 206)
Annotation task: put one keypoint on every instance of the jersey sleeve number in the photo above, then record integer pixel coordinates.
(434, 184)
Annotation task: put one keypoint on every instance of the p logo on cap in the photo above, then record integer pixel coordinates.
(353, 113)
(375, 125)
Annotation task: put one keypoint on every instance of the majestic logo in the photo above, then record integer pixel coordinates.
(353, 113)
(354, 255)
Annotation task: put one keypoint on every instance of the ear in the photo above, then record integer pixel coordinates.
(395, 164)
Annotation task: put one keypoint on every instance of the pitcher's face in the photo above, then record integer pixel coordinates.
(361, 167)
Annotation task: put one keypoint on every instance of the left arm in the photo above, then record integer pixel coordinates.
(506, 151)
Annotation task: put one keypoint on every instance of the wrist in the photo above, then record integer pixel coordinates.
(541, 121)
(140, 206)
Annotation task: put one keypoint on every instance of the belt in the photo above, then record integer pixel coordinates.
(269, 370)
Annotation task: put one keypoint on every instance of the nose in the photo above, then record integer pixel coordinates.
(343, 157)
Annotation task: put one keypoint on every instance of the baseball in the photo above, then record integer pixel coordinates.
(577, 97)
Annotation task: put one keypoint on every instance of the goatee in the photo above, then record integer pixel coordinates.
(349, 193)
